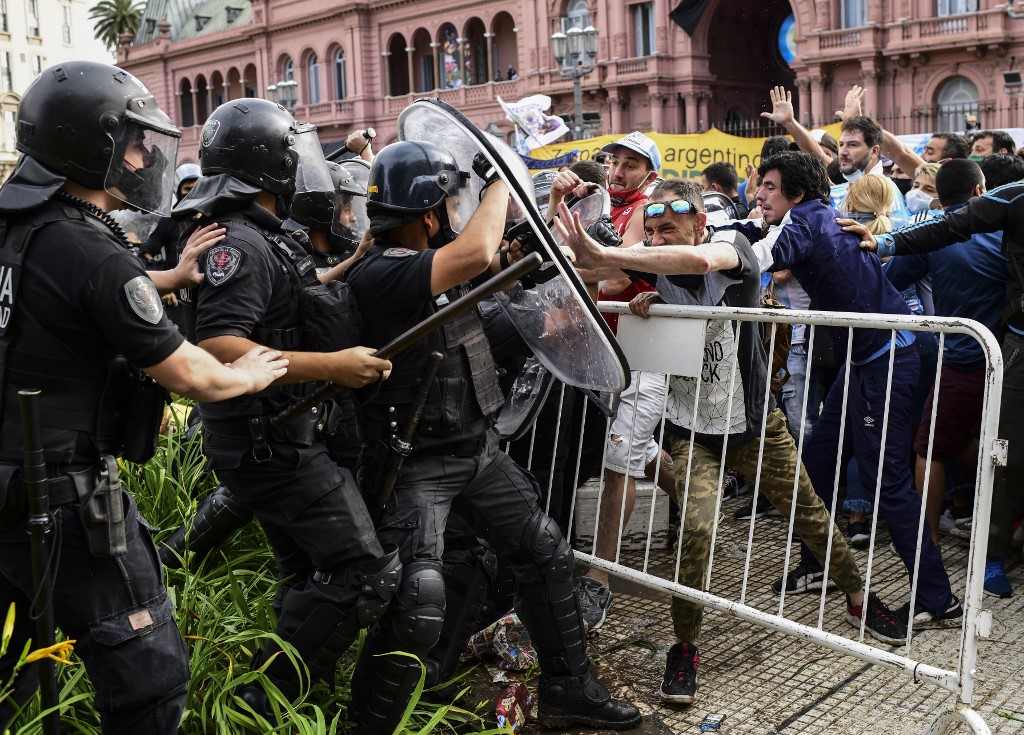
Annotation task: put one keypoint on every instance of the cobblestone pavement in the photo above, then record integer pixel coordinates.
(767, 682)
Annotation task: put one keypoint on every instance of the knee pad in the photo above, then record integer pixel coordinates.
(417, 610)
(358, 597)
(469, 578)
(543, 552)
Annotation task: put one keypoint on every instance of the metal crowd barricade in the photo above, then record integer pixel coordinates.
(672, 337)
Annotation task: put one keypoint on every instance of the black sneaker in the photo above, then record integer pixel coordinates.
(802, 578)
(735, 484)
(952, 617)
(680, 683)
(881, 622)
(764, 508)
(860, 534)
(595, 600)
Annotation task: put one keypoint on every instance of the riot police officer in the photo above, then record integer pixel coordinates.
(423, 252)
(93, 140)
(160, 249)
(261, 287)
(334, 220)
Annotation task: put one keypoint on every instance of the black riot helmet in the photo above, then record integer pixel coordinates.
(259, 142)
(340, 211)
(98, 126)
(409, 179)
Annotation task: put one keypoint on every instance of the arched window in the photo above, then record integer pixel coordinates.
(313, 81)
(577, 15)
(340, 87)
(287, 69)
(956, 98)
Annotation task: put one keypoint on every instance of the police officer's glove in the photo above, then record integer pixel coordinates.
(604, 232)
(483, 168)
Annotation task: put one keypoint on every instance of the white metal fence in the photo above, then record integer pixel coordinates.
(672, 341)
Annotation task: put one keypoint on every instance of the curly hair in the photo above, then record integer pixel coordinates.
(801, 173)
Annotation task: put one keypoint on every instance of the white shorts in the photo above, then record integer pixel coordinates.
(631, 442)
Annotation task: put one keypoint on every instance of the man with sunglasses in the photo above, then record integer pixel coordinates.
(723, 413)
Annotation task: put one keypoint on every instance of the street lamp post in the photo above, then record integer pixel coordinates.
(579, 46)
(284, 93)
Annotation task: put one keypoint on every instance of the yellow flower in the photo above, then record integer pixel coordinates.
(9, 623)
(57, 652)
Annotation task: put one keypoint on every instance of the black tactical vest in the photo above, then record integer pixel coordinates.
(84, 407)
(465, 394)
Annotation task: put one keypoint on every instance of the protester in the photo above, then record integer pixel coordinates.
(804, 237)
(724, 271)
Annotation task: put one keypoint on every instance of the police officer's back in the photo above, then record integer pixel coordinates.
(93, 140)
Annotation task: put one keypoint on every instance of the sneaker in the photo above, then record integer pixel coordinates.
(680, 683)
(764, 508)
(802, 578)
(595, 600)
(860, 534)
(952, 616)
(880, 621)
(996, 582)
(735, 484)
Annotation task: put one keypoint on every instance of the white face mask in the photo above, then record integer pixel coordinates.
(918, 201)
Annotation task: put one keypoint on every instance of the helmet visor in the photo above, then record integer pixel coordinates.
(311, 173)
(141, 172)
(350, 218)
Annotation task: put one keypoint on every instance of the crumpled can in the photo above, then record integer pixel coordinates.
(513, 707)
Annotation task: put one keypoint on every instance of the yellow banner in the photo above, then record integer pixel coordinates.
(682, 156)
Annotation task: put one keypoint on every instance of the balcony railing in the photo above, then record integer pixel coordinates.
(466, 95)
(991, 24)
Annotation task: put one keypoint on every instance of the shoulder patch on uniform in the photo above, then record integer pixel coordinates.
(222, 262)
(398, 253)
(144, 299)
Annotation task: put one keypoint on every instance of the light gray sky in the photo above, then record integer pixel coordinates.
(87, 47)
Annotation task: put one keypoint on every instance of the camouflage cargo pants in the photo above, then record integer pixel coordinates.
(778, 465)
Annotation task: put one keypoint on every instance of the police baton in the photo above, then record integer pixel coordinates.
(401, 444)
(407, 339)
(40, 524)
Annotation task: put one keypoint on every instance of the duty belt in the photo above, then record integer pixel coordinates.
(69, 487)
(463, 449)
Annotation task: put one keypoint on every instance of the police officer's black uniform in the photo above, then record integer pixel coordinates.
(78, 309)
(455, 464)
(255, 287)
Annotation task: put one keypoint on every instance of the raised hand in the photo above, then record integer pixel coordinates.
(852, 105)
(782, 106)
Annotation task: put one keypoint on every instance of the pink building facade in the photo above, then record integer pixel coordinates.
(662, 65)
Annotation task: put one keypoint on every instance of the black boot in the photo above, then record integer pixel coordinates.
(566, 701)
(254, 696)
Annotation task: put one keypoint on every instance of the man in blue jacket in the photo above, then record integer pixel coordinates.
(803, 236)
(968, 280)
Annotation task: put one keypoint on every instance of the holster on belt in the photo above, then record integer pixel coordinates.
(102, 513)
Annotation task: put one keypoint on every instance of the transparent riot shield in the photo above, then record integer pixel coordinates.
(557, 319)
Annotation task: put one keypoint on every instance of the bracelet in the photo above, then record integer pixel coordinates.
(368, 141)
